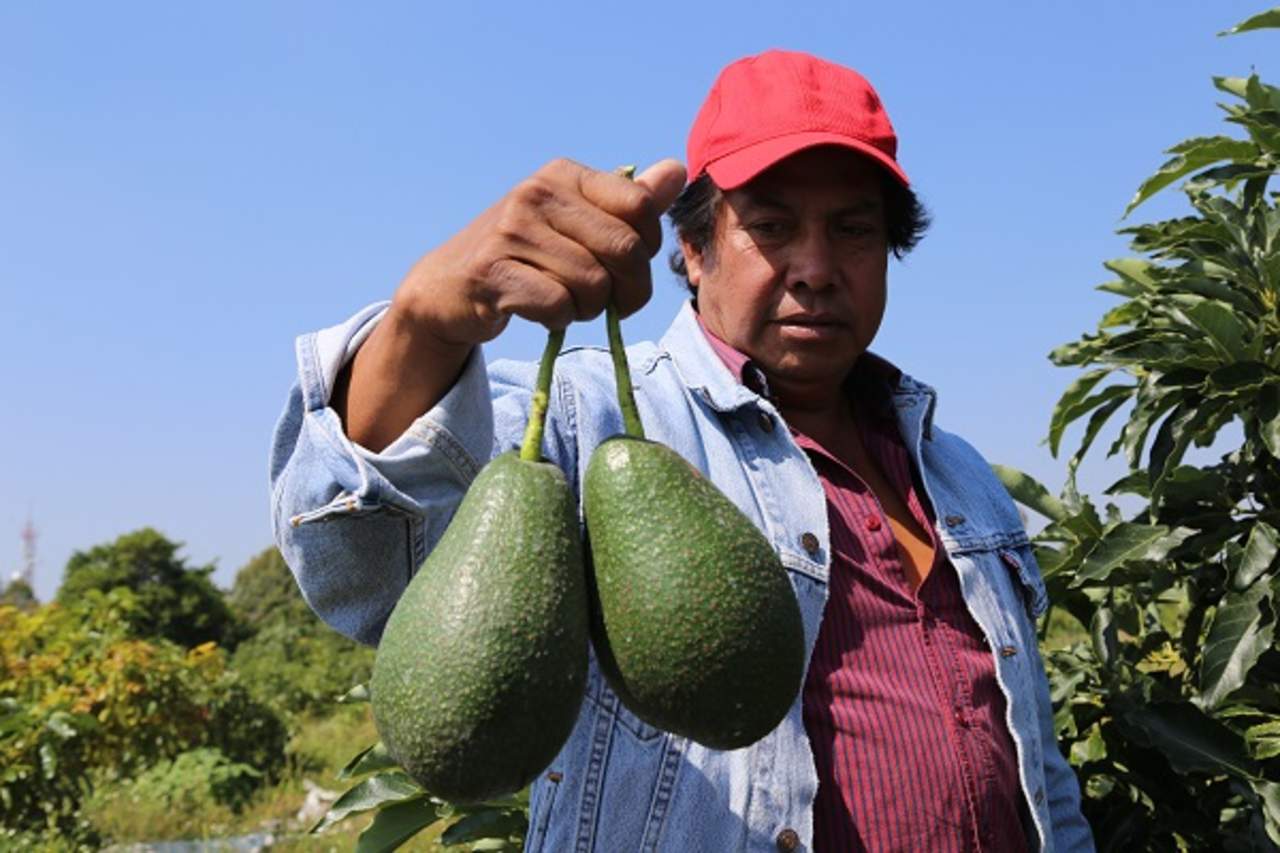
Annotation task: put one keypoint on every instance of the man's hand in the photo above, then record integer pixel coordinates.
(555, 249)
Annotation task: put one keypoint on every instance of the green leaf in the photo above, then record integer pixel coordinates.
(390, 787)
(1269, 18)
(1188, 486)
(1231, 85)
(1241, 376)
(1242, 630)
(359, 693)
(397, 823)
(1221, 326)
(1133, 483)
(1192, 278)
(1109, 398)
(496, 845)
(1124, 314)
(1120, 287)
(1269, 798)
(48, 760)
(1126, 542)
(1192, 741)
(1138, 271)
(490, 823)
(1174, 437)
(1259, 553)
(1071, 398)
(1071, 406)
(1269, 419)
(60, 724)
(1263, 740)
(1102, 631)
(1189, 156)
(1096, 423)
(1027, 491)
(368, 760)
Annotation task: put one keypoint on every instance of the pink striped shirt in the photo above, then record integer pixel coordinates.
(901, 703)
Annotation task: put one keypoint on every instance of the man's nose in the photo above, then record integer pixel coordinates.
(812, 261)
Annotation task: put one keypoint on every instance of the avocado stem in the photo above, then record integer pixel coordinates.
(622, 375)
(531, 449)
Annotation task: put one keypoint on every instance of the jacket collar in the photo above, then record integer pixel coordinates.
(707, 377)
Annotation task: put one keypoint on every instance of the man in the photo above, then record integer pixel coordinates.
(924, 721)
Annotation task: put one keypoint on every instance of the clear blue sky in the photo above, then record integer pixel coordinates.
(186, 187)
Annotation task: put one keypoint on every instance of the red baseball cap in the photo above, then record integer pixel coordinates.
(764, 108)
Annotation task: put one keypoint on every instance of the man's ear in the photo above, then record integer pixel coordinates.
(692, 262)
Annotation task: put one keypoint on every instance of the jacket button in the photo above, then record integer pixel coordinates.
(766, 422)
(810, 543)
(1039, 797)
(788, 840)
(953, 520)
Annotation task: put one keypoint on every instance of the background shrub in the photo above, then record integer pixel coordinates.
(290, 658)
(81, 697)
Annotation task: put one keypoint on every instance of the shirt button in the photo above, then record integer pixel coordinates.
(766, 422)
(1008, 651)
(1039, 798)
(873, 523)
(954, 520)
(810, 543)
(788, 840)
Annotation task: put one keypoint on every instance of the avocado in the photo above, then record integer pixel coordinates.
(482, 666)
(694, 621)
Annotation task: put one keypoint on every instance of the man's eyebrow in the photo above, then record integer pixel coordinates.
(866, 205)
(763, 199)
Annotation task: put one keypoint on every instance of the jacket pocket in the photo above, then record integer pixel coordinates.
(343, 505)
(1021, 564)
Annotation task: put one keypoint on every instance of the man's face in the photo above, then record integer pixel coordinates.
(794, 276)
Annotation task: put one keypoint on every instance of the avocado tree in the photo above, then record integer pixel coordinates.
(1167, 691)
(177, 602)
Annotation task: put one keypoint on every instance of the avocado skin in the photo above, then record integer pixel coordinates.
(694, 622)
(482, 666)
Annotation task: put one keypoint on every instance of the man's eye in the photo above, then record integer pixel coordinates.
(767, 228)
(853, 228)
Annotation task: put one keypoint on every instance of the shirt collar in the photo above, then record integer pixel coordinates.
(714, 371)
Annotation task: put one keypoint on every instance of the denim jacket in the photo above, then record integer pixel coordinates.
(355, 525)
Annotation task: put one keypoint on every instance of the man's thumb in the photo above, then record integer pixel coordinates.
(664, 180)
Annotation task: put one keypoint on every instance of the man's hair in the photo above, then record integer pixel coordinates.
(694, 218)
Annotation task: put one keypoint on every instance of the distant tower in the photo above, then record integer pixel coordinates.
(27, 574)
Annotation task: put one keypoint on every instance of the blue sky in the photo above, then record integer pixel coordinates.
(184, 188)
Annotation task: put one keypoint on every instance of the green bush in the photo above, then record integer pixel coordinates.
(176, 602)
(192, 778)
(82, 698)
(1163, 659)
(291, 660)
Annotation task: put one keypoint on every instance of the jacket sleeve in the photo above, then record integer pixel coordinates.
(354, 525)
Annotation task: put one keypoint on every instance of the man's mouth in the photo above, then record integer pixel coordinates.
(809, 320)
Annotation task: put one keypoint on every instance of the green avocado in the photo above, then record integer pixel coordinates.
(694, 621)
(482, 667)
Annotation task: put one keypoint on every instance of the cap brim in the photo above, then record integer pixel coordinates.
(734, 170)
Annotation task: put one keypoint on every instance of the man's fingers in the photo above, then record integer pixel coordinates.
(528, 292)
(664, 180)
(627, 200)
